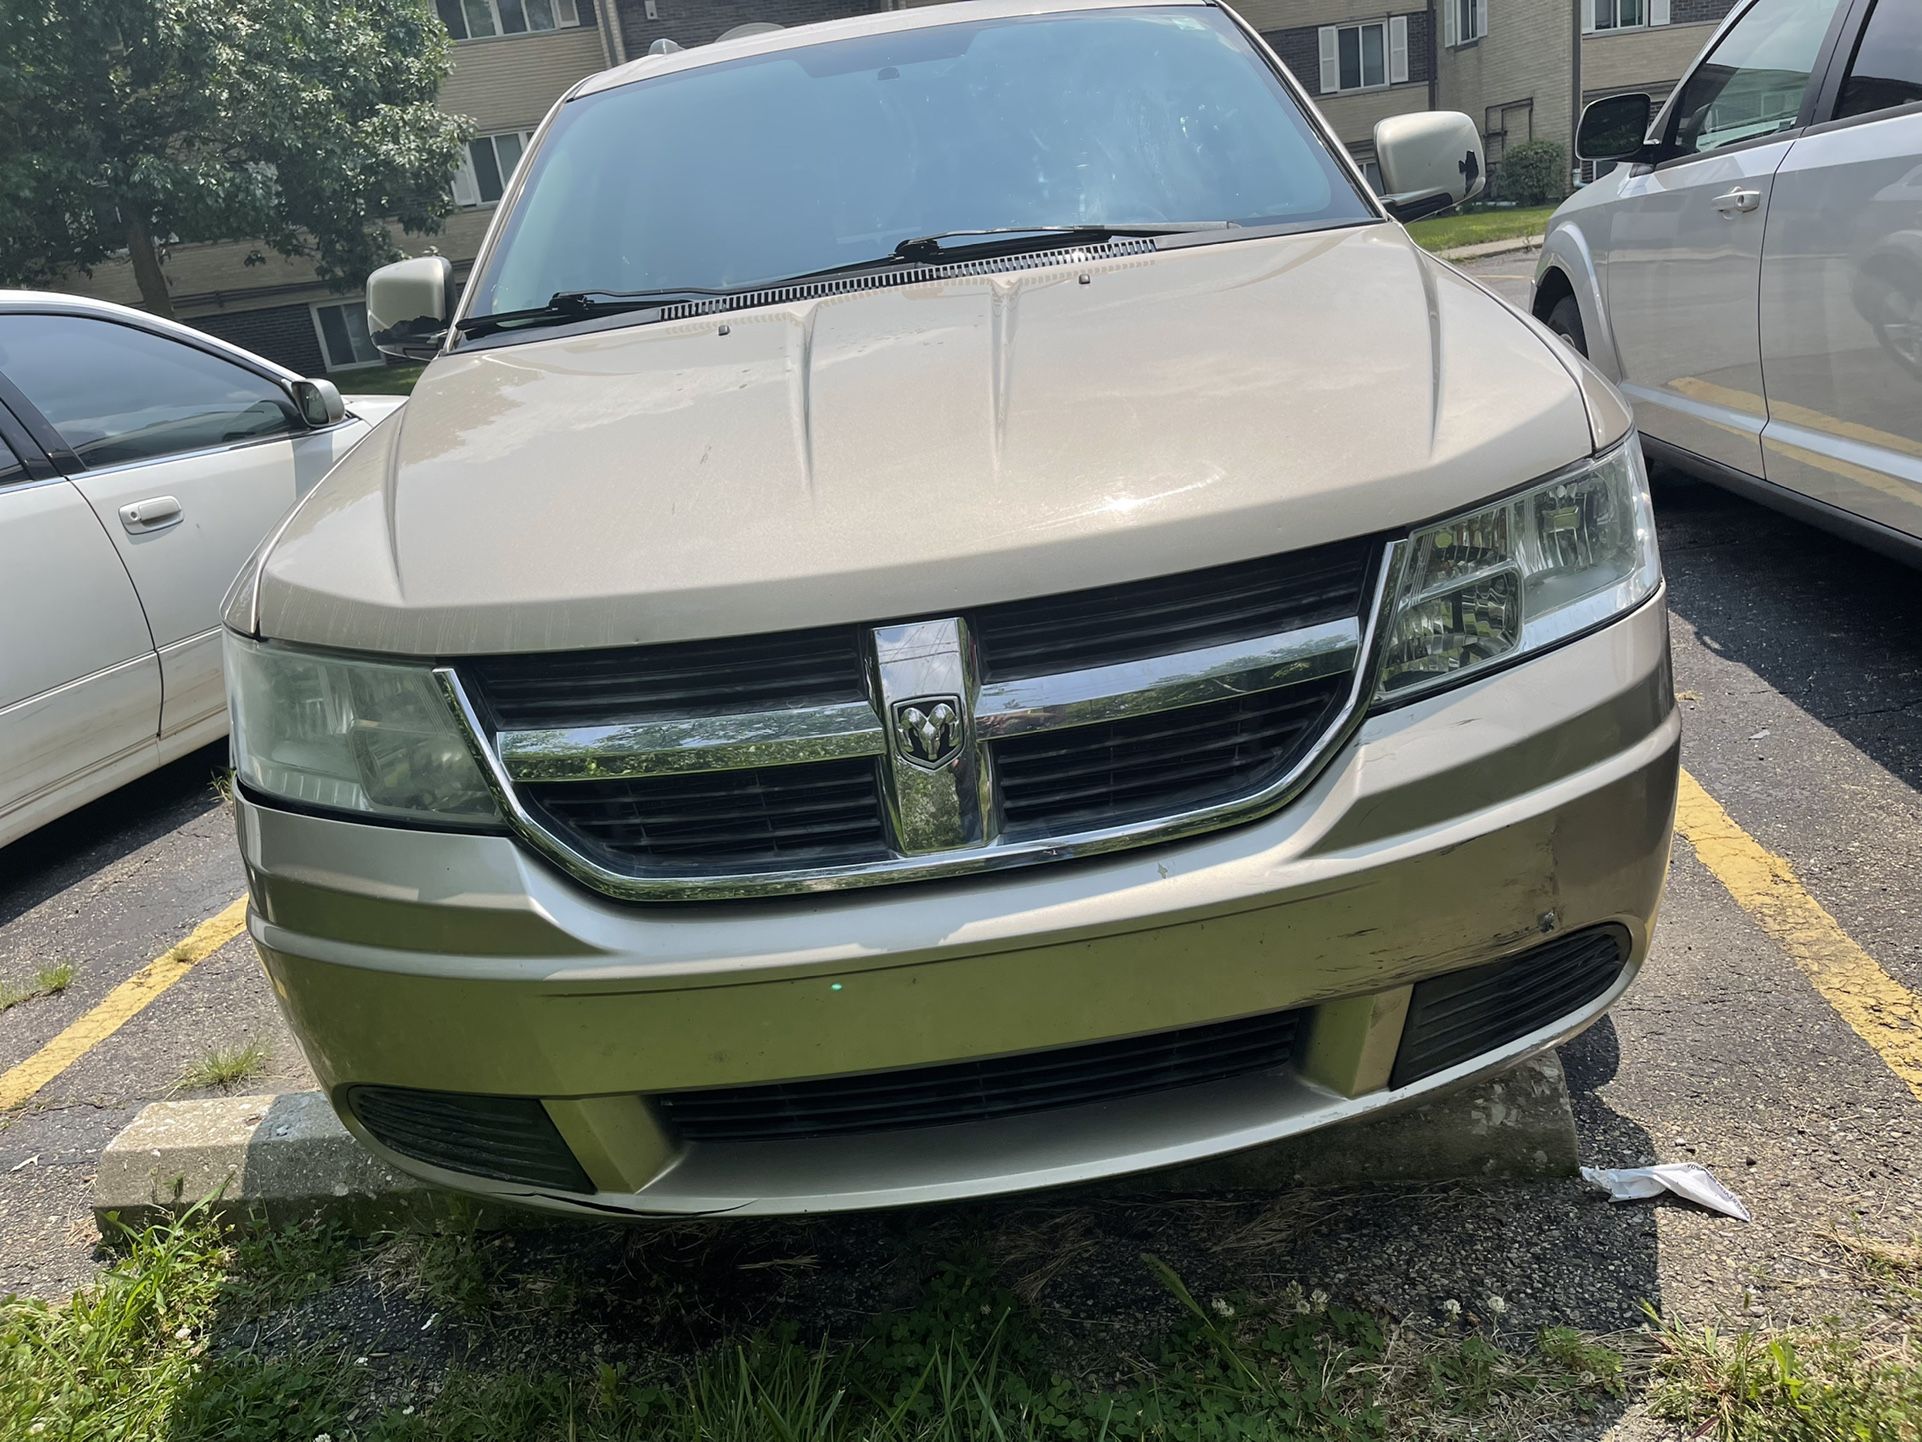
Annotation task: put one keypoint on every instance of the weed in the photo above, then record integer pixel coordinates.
(48, 981)
(221, 783)
(277, 1267)
(223, 1066)
(1816, 1383)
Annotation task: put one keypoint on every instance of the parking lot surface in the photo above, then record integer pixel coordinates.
(1799, 666)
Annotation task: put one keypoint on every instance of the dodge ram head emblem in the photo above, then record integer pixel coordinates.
(927, 730)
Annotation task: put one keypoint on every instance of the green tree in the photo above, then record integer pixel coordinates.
(308, 126)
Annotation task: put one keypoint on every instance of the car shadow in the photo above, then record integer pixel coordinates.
(1080, 1276)
(1833, 627)
(85, 841)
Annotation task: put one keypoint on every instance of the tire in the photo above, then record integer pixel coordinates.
(1566, 321)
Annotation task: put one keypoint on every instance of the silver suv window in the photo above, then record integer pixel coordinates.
(753, 170)
(1750, 85)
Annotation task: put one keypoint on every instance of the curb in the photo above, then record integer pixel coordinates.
(287, 1157)
(1484, 249)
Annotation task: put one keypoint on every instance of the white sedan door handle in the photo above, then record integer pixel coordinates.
(156, 513)
(1738, 201)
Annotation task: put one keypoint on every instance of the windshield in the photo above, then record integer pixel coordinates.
(754, 170)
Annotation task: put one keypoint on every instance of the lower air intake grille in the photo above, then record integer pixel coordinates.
(508, 1138)
(1462, 1014)
(813, 815)
(1160, 764)
(933, 1096)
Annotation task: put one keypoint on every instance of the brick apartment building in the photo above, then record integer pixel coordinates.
(1508, 63)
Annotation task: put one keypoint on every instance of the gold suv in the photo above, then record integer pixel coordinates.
(957, 609)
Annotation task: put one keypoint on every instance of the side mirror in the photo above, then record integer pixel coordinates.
(1613, 128)
(1430, 161)
(408, 306)
(320, 403)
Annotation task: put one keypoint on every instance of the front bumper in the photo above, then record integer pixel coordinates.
(1446, 834)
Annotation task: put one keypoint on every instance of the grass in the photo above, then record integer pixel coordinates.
(1447, 231)
(260, 1334)
(223, 1066)
(48, 981)
(193, 1334)
(378, 381)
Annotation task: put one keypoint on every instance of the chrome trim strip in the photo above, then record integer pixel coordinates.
(1002, 852)
(1161, 683)
(706, 743)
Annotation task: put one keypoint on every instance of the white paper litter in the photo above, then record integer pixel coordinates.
(1688, 1180)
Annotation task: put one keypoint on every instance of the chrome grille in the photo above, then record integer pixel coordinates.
(846, 756)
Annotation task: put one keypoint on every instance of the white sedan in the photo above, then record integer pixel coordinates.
(141, 462)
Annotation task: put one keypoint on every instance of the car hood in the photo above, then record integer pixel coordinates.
(915, 450)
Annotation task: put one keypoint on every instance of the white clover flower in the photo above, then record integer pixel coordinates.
(1304, 1306)
(1497, 1307)
(1320, 1299)
(1221, 1307)
(1451, 1309)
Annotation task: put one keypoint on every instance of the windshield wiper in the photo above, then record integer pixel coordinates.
(569, 305)
(1004, 239)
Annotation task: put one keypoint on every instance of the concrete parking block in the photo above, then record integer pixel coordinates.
(288, 1156)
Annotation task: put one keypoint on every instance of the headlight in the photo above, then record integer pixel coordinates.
(357, 736)
(1521, 574)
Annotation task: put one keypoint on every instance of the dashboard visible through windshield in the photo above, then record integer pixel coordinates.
(746, 172)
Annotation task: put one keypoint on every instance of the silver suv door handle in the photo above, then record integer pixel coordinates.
(156, 513)
(1738, 200)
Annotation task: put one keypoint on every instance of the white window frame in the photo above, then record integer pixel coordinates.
(567, 16)
(1654, 13)
(320, 335)
(466, 181)
(1474, 12)
(1394, 54)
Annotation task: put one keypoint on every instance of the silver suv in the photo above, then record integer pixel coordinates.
(957, 609)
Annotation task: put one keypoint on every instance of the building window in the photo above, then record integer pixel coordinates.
(477, 19)
(1607, 15)
(1469, 19)
(344, 343)
(488, 166)
(1365, 56)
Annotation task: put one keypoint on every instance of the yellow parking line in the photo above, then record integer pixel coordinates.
(1883, 1012)
(120, 1005)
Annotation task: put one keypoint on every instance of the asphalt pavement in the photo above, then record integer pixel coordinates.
(1799, 665)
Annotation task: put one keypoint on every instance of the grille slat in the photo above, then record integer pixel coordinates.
(983, 1090)
(1166, 762)
(824, 814)
(690, 678)
(1173, 613)
(1463, 1014)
